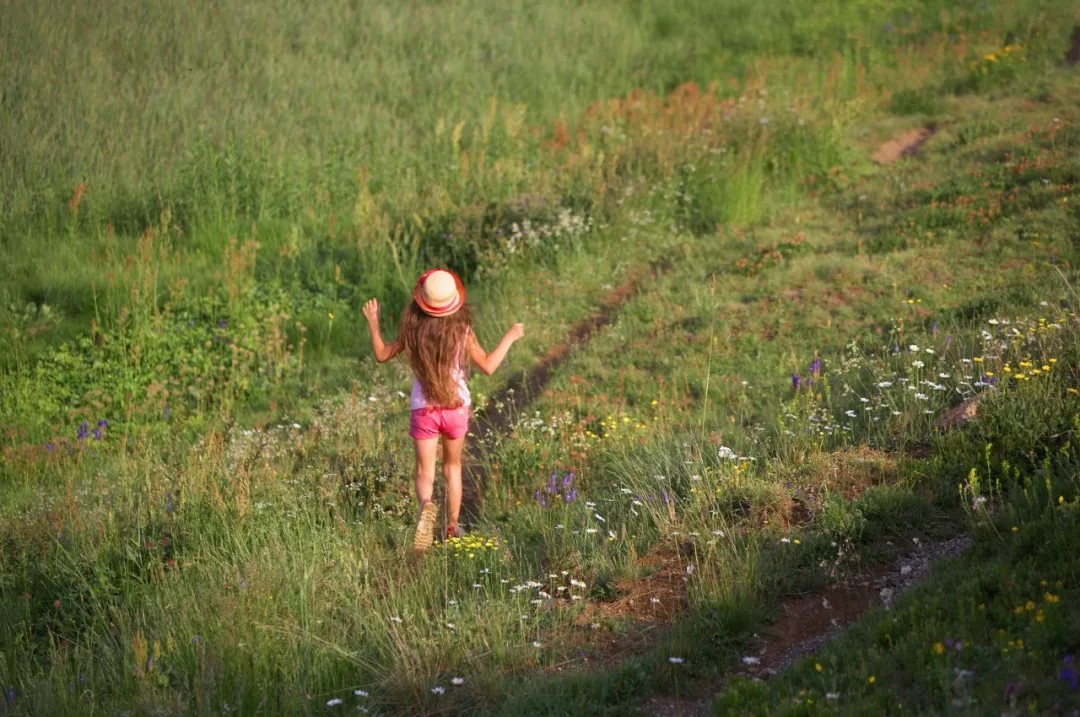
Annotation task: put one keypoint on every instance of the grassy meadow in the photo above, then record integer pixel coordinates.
(206, 480)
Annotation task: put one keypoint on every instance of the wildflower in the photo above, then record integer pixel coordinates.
(438, 690)
(796, 381)
(917, 364)
(818, 667)
(939, 648)
(334, 702)
(397, 619)
(196, 639)
(537, 644)
(451, 626)
(675, 660)
(1068, 674)
(360, 693)
(832, 696)
(1051, 598)
(751, 660)
(458, 681)
(871, 679)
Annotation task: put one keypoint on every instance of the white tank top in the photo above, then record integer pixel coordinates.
(418, 400)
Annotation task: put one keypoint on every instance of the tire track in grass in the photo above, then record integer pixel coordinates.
(1072, 57)
(497, 418)
(809, 623)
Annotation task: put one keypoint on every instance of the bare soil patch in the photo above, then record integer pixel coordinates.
(903, 145)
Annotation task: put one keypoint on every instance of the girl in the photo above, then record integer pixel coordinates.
(436, 337)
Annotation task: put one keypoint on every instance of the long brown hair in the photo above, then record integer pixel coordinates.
(434, 347)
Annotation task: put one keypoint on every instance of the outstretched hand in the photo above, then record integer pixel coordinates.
(371, 311)
(516, 332)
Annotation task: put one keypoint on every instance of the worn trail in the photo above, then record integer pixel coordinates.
(524, 386)
(810, 622)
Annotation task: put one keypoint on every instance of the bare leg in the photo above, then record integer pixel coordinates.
(451, 466)
(426, 450)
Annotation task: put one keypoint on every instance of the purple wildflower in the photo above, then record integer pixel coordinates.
(948, 341)
(167, 414)
(543, 501)
(933, 330)
(1068, 674)
(84, 430)
(796, 381)
(102, 423)
(815, 367)
(196, 639)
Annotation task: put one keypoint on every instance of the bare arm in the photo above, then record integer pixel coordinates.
(488, 362)
(383, 351)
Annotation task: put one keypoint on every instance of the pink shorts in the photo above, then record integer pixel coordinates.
(432, 422)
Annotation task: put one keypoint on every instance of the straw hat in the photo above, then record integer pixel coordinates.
(439, 292)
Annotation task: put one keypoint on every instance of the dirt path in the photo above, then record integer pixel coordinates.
(1073, 55)
(903, 145)
(524, 386)
(810, 622)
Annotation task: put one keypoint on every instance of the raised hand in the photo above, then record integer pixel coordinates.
(371, 311)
